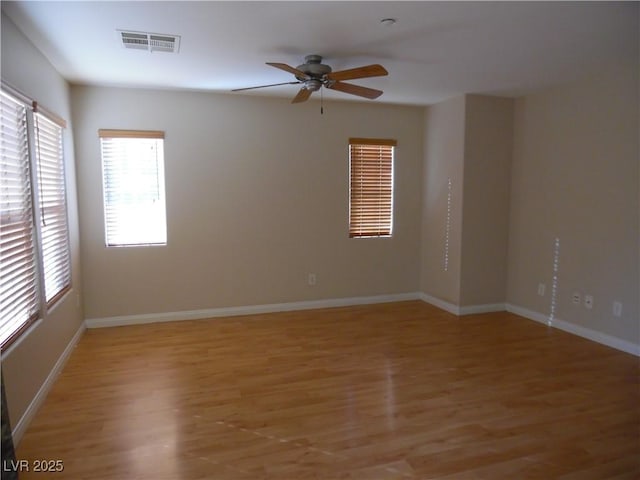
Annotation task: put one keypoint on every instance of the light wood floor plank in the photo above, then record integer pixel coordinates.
(395, 391)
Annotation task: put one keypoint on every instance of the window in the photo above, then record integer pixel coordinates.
(35, 268)
(370, 187)
(53, 208)
(133, 187)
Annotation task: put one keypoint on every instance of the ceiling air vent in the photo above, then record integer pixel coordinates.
(151, 42)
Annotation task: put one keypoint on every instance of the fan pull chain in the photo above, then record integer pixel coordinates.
(321, 102)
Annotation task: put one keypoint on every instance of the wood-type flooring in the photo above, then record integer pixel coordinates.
(379, 392)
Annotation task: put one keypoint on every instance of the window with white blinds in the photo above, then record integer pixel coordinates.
(133, 187)
(54, 233)
(371, 187)
(19, 303)
(35, 269)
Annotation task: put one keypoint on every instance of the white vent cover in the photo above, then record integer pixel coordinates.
(151, 42)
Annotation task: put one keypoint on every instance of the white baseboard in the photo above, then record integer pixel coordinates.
(486, 308)
(462, 310)
(530, 314)
(588, 333)
(246, 310)
(449, 307)
(32, 409)
(584, 332)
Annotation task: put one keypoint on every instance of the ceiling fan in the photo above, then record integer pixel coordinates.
(313, 75)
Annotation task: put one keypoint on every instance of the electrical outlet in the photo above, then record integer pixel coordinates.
(575, 298)
(617, 309)
(588, 301)
(541, 289)
(311, 279)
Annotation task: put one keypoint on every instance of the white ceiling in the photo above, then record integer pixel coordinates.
(435, 50)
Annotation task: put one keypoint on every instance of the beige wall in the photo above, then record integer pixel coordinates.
(488, 143)
(562, 163)
(444, 127)
(257, 198)
(575, 178)
(468, 141)
(27, 364)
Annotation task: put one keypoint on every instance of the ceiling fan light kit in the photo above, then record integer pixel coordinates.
(313, 75)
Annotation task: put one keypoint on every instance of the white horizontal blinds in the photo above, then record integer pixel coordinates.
(54, 232)
(371, 187)
(133, 187)
(19, 304)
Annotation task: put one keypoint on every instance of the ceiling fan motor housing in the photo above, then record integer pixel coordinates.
(315, 69)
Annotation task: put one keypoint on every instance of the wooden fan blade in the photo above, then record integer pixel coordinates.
(265, 86)
(374, 70)
(287, 68)
(356, 90)
(302, 96)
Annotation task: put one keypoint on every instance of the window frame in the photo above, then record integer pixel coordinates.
(382, 195)
(43, 173)
(108, 140)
